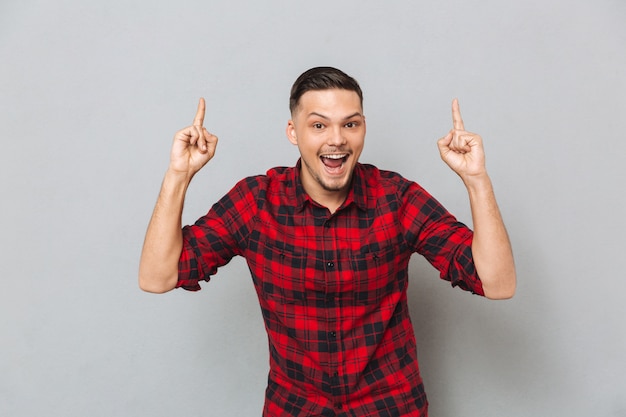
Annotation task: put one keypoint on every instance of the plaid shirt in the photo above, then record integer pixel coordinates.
(332, 287)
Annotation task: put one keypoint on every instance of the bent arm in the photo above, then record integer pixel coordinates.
(491, 248)
(493, 257)
(158, 267)
(193, 147)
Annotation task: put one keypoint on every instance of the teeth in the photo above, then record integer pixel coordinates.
(334, 156)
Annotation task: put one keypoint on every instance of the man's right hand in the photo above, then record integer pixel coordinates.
(193, 146)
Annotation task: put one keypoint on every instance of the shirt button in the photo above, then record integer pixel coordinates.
(332, 334)
(338, 406)
(330, 265)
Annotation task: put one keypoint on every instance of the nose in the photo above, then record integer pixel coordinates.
(336, 137)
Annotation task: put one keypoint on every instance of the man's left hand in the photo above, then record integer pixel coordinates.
(462, 150)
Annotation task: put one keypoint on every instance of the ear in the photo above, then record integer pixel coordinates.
(291, 132)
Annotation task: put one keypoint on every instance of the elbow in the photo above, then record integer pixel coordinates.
(149, 283)
(500, 295)
(503, 290)
(155, 288)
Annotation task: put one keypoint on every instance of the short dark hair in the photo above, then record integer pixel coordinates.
(322, 78)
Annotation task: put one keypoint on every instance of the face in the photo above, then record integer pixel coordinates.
(328, 127)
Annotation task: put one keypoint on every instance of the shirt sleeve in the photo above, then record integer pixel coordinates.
(437, 235)
(216, 237)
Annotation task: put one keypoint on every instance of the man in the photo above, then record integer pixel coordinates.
(328, 244)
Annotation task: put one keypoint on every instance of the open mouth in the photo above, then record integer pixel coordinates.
(334, 162)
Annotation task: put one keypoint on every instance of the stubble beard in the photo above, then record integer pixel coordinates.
(325, 186)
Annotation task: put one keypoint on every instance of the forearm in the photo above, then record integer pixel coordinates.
(491, 248)
(158, 268)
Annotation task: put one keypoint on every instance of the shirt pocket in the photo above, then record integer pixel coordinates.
(283, 273)
(378, 273)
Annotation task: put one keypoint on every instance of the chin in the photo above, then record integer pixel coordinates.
(336, 185)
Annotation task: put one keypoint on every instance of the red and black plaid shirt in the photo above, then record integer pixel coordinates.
(332, 287)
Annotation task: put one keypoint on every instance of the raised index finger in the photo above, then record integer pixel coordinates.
(199, 119)
(457, 122)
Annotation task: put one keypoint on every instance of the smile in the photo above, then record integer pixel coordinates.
(334, 161)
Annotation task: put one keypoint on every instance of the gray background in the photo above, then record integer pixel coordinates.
(91, 94)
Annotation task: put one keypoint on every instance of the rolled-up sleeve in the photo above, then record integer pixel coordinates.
(216, 237)
(437, 235)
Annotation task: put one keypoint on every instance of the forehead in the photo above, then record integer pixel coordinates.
(331, 101)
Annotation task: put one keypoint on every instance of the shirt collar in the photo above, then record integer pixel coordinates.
(356, 194)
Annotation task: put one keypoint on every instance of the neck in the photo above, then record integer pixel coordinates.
(332, 200)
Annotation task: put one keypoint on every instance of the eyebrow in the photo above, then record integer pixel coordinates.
(328, 118)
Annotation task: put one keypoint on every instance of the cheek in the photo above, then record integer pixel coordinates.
(358, 141)
(307, 149)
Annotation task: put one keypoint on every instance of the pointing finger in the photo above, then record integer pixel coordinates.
(457, 122)
(199, 119)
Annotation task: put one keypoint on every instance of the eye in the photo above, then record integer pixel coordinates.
(318, 126)
(351, 125)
